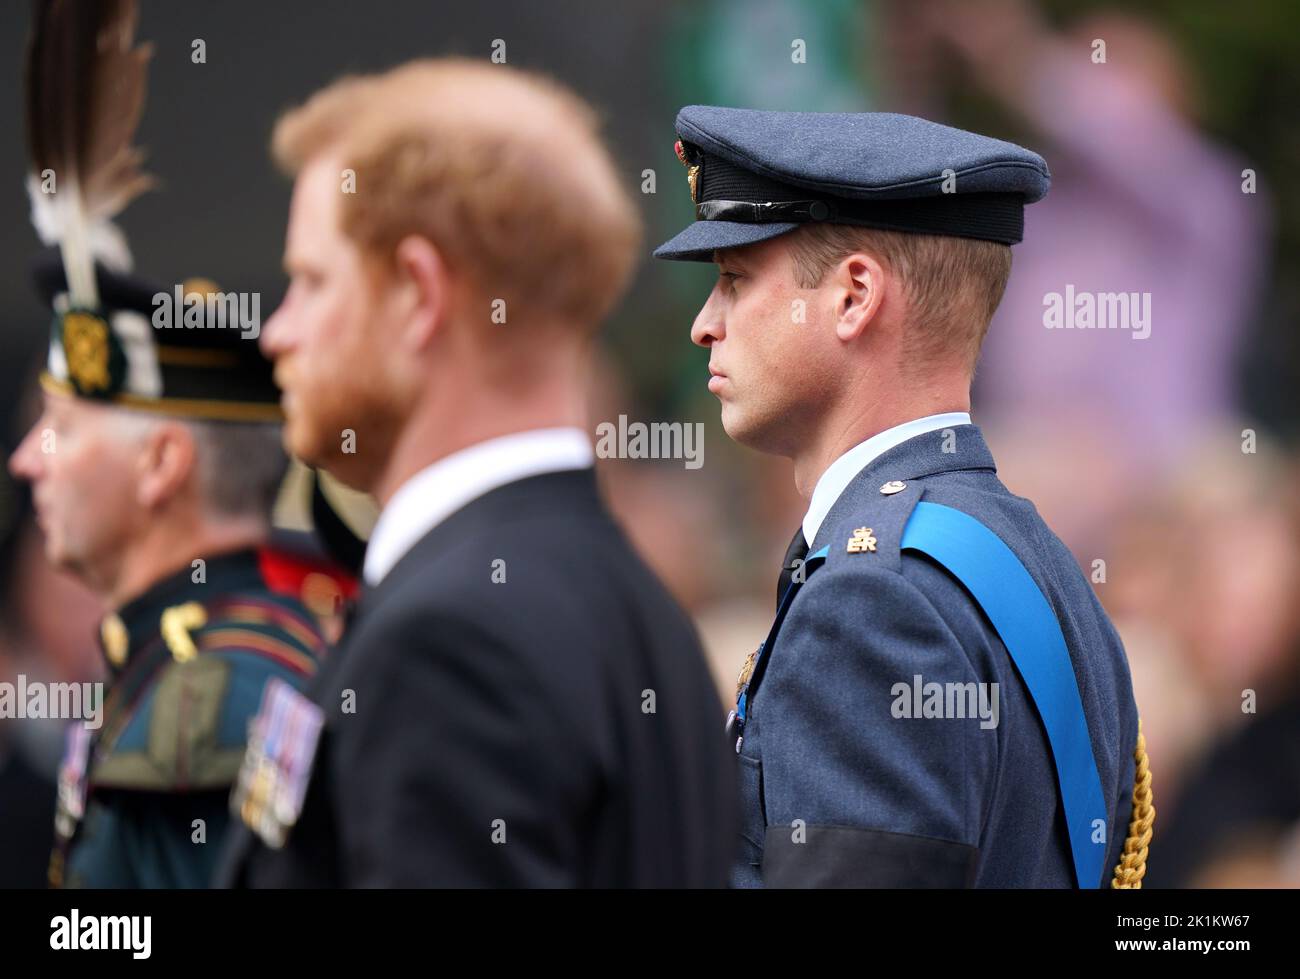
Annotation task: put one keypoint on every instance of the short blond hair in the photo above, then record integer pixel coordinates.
(502, 170)
(953, 285)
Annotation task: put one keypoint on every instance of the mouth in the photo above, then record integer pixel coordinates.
(716, 379)
(282, 382)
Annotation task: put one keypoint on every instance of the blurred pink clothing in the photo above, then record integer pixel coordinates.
(1140, 203)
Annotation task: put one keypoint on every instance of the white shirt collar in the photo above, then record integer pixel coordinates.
(840, 473)
(437, 491)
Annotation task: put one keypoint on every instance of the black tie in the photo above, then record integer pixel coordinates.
(350, 609)
(794, 556)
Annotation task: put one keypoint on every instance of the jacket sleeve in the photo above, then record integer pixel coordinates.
(864, 786)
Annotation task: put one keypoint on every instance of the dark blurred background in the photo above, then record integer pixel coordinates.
(1133, 450)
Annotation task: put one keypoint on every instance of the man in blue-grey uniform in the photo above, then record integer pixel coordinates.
(941, 700)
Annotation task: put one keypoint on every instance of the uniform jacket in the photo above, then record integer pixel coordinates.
(188, 661)
(844, 780)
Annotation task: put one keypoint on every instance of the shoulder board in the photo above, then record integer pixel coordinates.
(869, 532)
(187, 730)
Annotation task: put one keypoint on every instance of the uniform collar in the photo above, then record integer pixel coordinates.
(437, 491)
(124, 633)
(960, 449)
(841, 472)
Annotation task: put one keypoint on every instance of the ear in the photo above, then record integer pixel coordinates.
(167, 462)
(422, 280)
(860, 289)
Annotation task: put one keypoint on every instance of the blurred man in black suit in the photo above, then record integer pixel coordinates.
(517, 701)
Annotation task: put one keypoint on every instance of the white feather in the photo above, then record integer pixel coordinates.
(50, 218)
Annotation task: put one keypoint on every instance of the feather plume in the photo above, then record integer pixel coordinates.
(85, 95)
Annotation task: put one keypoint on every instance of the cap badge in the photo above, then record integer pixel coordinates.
(692, 171)
(86, 348)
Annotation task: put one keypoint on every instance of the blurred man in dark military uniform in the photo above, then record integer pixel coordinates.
(518, 702)
(941, 700)
(161, 508)
(154, 467)
(159, 501)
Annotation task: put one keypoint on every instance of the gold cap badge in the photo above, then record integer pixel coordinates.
(85, 347)
(692, 171)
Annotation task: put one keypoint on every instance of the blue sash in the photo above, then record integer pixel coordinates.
(1029, 629)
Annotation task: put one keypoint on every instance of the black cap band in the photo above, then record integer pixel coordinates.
(731, 193)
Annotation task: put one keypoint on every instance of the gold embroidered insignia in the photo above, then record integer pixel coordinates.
(85, 346)
(862, 541)
(692, 171)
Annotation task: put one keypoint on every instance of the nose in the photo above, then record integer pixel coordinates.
(709, 325)
(25, 463)
(274, 338)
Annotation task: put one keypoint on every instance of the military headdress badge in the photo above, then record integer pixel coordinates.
(85, 344)
(94, 361)
(692, 171)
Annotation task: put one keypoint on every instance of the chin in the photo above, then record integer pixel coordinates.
(738, 427)
(749, 431)
(297, 449)
(301, 441)
(55, 554)
(320, 446)
(59, 557)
